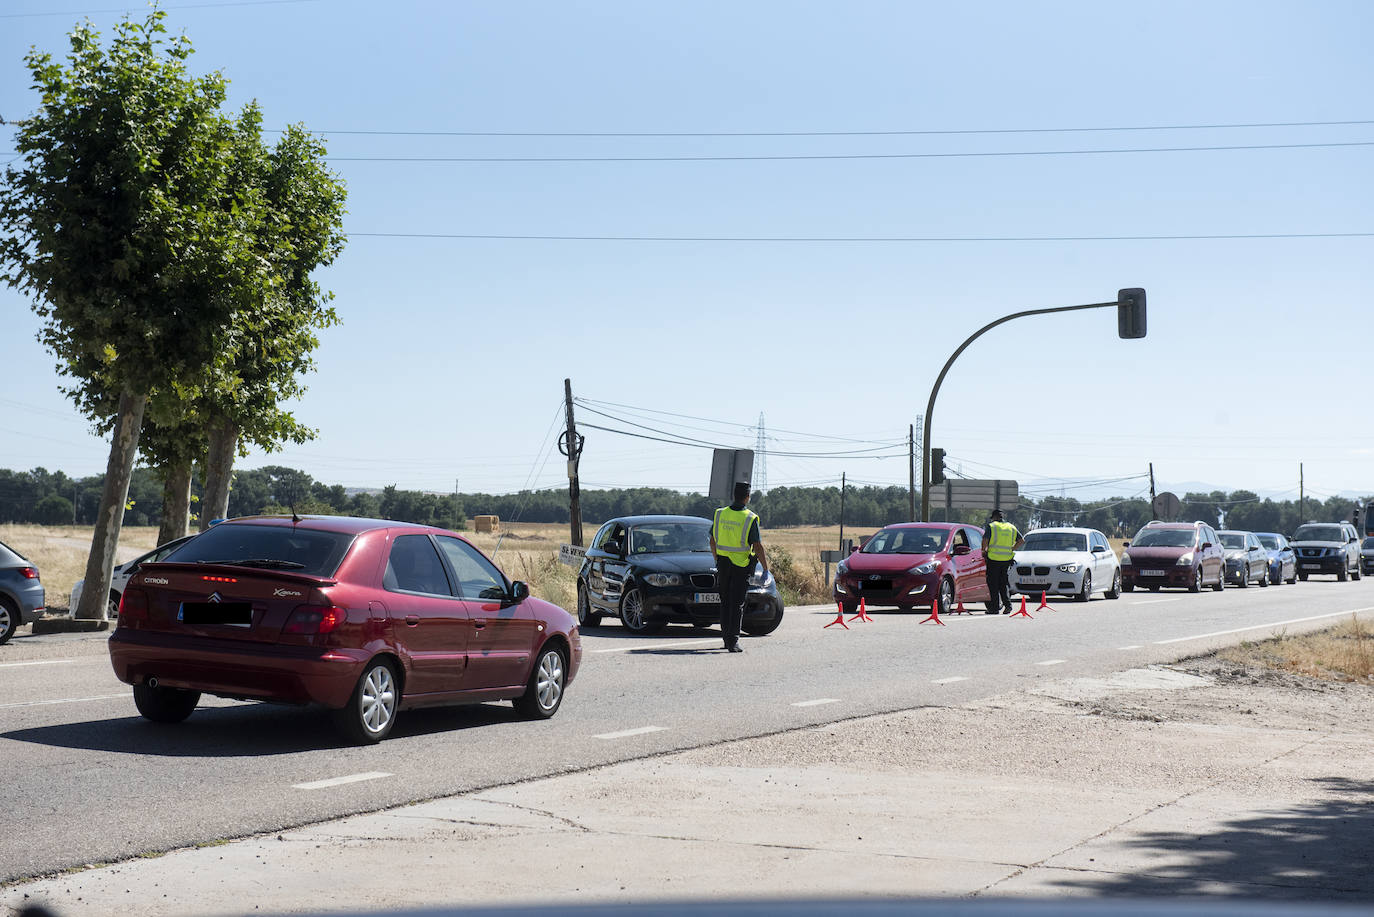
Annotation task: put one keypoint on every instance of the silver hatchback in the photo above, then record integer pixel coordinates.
(21, 592)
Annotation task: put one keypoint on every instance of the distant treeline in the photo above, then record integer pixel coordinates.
(51, 498)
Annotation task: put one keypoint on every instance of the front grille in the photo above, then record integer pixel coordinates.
(876, 585)
(704, 580)
(1024, 571)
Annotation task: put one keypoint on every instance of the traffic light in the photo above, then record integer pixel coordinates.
(937, 466)
(1130, 313)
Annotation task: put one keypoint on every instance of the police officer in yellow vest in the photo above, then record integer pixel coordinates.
(736, 545)
(1000, 541)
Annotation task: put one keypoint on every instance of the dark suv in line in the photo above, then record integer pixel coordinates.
(1327, 547)
(1187, 554)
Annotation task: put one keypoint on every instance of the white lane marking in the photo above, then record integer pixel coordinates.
(817, 702)
(626, 733)
(1053, 662)
(15, 665)
(949, 681)
(1155, 601)
(1135, 647)
(1237, 630)
(64, 700)
(340, 781)
(659, 646)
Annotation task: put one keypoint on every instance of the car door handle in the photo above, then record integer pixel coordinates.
(412, 620)
(478, 625)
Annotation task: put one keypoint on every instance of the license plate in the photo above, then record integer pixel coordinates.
(1311, 566)
(225, 614)
(1152, 573)
(707, 598)
(1034, 582)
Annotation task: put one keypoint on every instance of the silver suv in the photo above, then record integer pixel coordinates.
(1327, 547)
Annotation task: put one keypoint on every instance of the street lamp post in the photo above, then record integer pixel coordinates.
(1130, 304)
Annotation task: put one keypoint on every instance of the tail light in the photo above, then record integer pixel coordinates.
(315, 619)
(133, 606)
(28, 572)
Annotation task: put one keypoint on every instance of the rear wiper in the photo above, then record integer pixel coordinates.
(265, 562)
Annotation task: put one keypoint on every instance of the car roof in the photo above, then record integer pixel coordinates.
(948, 526)
(1066, 529)
(351, 525)
(650, 517)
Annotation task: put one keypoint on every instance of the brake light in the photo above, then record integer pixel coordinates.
(133, 605)
(28, 572)
(220, 579)
(315, 619)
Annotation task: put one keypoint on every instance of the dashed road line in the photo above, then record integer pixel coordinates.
(660, 646)
(1156, 601)
(1135, 647)
(817, 702)
(15, 665)
(627, 733)
(64, 700)
(949, 681)
(1052, 662)
(340, 781)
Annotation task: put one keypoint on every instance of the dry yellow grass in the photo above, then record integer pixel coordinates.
(1341, 653)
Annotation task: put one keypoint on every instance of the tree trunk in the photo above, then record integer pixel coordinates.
(110, 516)
(223, 435)
(176, 501)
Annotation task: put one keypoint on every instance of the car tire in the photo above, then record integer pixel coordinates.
(370, 713)
(544, 691)
(1303, 577)
(944, 599)
(763, 628)
(1115, 591)
(1293, 579)
(1264, 578)
(1128, 587)
(632, 613)
(1342, 575)
(164, 705)
(1220, 584)
(1355, 574)
(1243, 581)
(1196, 585)
(586, 618)
(1153, 587)
(9, 620)
(1086, 593)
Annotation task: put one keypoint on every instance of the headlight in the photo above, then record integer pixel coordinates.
(922, 569)
(663, 579)
(842, 568)
(1185, 559)
(1067, 568)
(761, 577)
(1125, 559)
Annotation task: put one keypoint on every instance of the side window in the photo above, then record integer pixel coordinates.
(478, 577)
(414, 566)
(603, 535)
(975, 539)
(960, 537)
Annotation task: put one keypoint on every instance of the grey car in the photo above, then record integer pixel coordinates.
(21, 592)
(1327, 547)
(1367, 555)
(1246, 560)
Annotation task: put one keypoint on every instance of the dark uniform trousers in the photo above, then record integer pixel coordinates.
(733, 581)
(998, 582)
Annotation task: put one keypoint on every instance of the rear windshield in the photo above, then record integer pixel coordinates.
(1318, 533)
(1055, 541)
(1230, 540)
(1163, 538)
(906, 541)
(271, 547)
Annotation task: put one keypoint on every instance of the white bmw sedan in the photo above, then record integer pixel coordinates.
(1066, 561)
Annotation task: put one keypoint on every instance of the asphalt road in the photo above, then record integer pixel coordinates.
(89, 781)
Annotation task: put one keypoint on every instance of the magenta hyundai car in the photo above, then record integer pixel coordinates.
(361, 616)
(914, 564)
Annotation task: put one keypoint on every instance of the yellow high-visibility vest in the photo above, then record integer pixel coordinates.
(1001, 541)
(731, 528)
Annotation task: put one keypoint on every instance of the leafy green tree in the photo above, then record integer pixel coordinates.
(113, 222)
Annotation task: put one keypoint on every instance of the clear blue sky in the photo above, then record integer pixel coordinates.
(450, 362)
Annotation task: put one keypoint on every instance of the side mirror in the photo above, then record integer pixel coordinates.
(614, 547)
(1125, 544)
(960, 550)
(853, 549)
(1206, 545)
(1099, 549)
(519, 591)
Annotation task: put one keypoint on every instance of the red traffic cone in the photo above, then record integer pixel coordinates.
(1023, 613)
(960, 609)
(863, 612)
(1045, 606)
(934, 613)
(839, 618)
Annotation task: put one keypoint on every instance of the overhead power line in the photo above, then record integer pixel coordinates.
(871, 133)
(507, 237)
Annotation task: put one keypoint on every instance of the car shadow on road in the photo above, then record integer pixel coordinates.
(1318, 850)
(248, 730)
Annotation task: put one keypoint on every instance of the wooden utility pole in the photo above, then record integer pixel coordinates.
(571, 446)
(911, 472)
(1302, 507)
(1152, 487)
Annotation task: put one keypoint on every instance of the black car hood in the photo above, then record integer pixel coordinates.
(680, 562)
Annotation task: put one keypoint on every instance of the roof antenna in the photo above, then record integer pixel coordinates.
(294, 518)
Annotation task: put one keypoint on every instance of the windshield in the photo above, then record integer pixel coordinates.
(1232, 540)
(1368, 543)
(670, 538)
(906, 541)
(1272, 542)
(268, 546)
(1055, 541)
(1163, 538)
(1318, 533)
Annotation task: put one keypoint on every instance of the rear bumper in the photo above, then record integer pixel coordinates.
(238, 669)
(1175, 576)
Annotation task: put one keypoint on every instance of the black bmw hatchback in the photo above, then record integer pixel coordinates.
(652, 570)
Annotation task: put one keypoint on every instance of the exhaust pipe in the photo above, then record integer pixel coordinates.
(152, 681)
